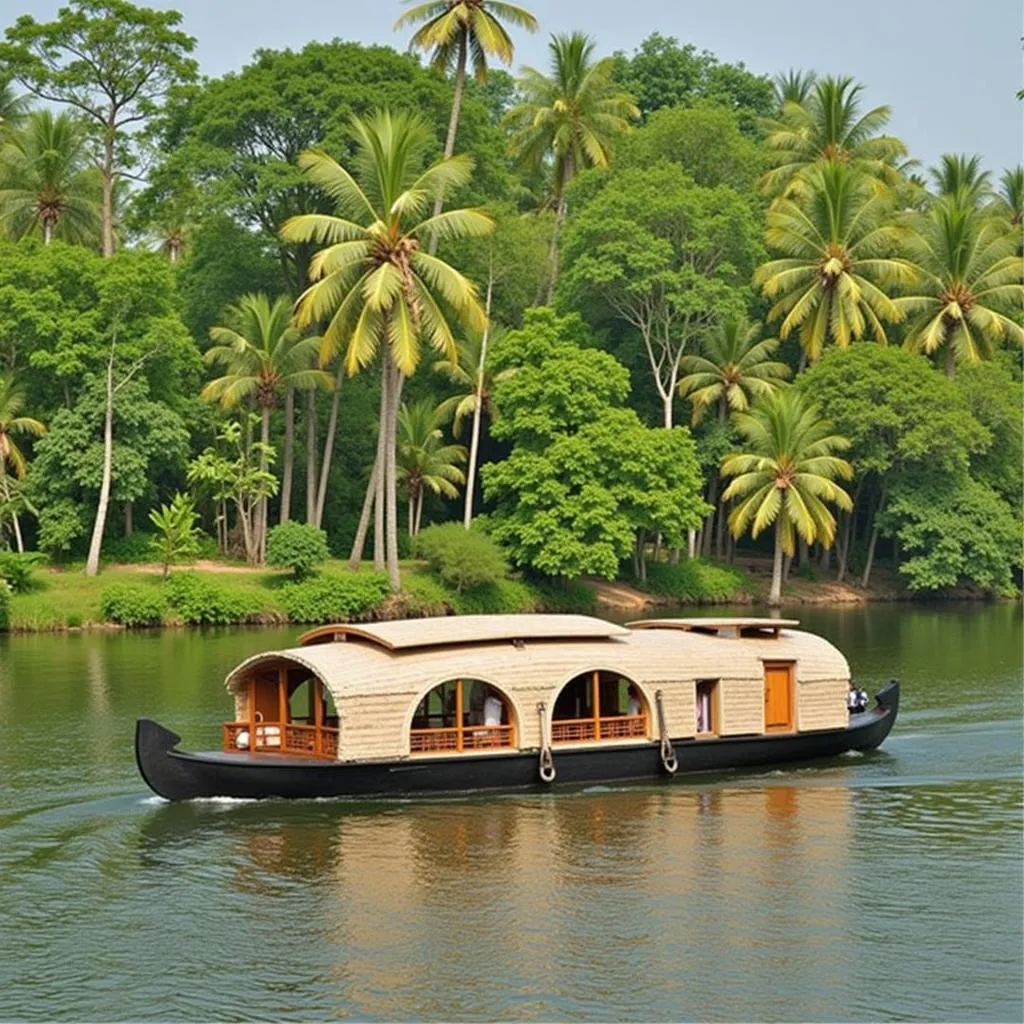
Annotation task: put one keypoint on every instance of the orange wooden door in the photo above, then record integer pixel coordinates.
(778, 697)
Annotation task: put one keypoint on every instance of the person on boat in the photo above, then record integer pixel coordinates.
(633, 707)
(492, 709)
(856, 699)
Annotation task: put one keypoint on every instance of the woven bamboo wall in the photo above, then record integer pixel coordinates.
(821, 704)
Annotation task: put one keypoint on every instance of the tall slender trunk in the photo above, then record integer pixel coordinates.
(128, 525)
(381, 480)
(412, 514)
(289, 455)
(311, 457)
(394, 394)
(874, 533)
(708, 532)
(107, 174)
(92, 563)
(474, 444)
(950, 361)
(332, 426)
(14, 516)
(846, 539)
(453, 125)
(419, 512)
(775, 594)
(264, 505)
(359, 543)
(560, 213)
(47, 230)
(803, 553)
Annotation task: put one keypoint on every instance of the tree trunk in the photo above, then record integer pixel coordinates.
(826, 559)
(474, 444)
(381, 482)
(713, 517)
(636, 556)
(419, 512)
(391, 526)
(691, 543)
(107, 174)
(642, 544)
(92, 563)
(47, 230)
(128, 518)
(289, 455)
(950, 361)
(311, 457)
(359, 543)
(332, 426)
(803, 552)
(412, 515)
(775, 594)
(264, 504)
(14, 517)
(453, 125)
(874, 534)
(556, 234)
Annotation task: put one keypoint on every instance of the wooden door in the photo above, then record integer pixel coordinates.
(778, 697)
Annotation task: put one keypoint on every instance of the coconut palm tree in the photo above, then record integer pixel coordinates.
(452, 32)
(572, 117)
(47, 185)
(1010, 200)
(374, 284)
(13, 107)
(828, 126)
(785, 476)
(425, 461)
(475, 381)
(837, 260)
(794, 86)
(265, 356)
(960, 175)
(970, 277)
(12, 400)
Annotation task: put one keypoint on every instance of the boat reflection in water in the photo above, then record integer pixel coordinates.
(639, 889)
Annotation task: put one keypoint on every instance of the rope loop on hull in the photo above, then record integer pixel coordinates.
(547, 762)
(668, 752)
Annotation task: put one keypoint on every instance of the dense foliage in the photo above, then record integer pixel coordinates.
(297, 546)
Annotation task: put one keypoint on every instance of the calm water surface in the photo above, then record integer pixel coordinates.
(886, 886)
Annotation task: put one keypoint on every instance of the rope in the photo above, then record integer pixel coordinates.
(668, 752)
(547, 762)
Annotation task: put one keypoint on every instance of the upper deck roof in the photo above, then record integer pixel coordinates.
(466, 629)
(720, 626)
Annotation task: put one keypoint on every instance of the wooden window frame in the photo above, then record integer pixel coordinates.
(460, 729)
(714, 708)
(593, 723)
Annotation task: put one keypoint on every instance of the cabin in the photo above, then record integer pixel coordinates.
(491, 684)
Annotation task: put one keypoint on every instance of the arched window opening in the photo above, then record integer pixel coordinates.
(289, 711)
(460, 715)
(599, 706)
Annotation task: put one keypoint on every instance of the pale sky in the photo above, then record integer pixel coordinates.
(950, 69)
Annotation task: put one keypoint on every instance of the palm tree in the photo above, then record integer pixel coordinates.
(960, 175)
(475, 381)
(571, 117)
(452, 31)
(1010, 200)
(837, 260)
(735, 369)
(375, 284)
(828, 126)
(785, 476)
(794, 86)
(265, 355)
(12, 400)
(971, 277)
(425, 462)
(47, 185)
(13, 107)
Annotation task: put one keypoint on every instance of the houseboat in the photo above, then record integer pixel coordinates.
(487, 702)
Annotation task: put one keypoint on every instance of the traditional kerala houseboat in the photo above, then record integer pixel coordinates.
(484, 702)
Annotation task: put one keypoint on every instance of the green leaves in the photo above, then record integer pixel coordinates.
(177, 537)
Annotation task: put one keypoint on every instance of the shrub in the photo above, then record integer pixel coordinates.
(204, 602)
(572, 596)
(500, 598)
(177, 536)
(131, 605)
(5, 605)
(422, 595)
(461, 558)
(132, 550)
(692, 580)
(334, 598)
(297, 546)
(16, 569)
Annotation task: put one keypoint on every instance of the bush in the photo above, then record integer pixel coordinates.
(500, 598)
(572, 596)
(132, 606)
(16, 569)
(692, 581)
(334, 598)
(5, 606)
(422, 595)
(461, 558)
(204, 602)
(297, 546)
(132, 550)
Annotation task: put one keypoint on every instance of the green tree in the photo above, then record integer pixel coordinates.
(969, 280)
(425, 461)
(785, 476)
(297, 546)
(962, 178)
(12, 401)
(177, 538)
(838, 259)
(794, 86)
(111, 61)
(572, 117)
(455, 31)
(1010, 199)
(379, 290)
(265, 357)
(13, 107)
(664, 256)
(829, 127)
(47, 185)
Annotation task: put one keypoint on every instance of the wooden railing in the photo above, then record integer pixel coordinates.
(469, 737)
(272, 738)
(578, 730)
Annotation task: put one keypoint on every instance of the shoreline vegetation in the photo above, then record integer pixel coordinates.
(212, 593)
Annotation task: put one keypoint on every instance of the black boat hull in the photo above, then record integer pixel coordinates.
(178, 775)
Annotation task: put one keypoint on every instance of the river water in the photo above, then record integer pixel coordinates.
(882, 886)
